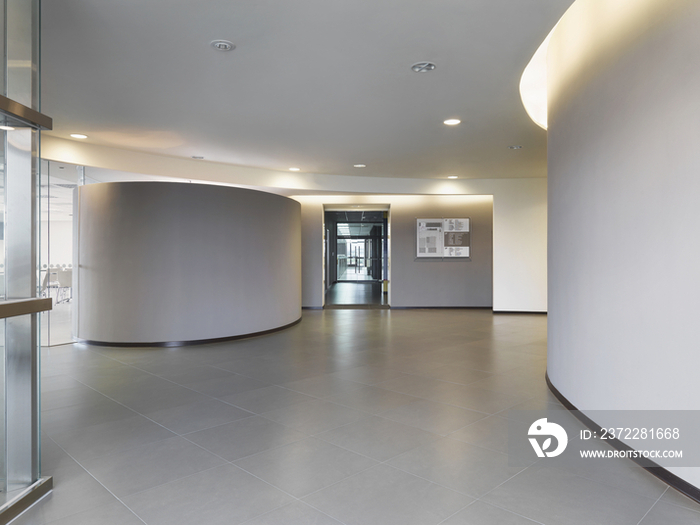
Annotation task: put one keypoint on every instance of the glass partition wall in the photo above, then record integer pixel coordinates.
(58, 182)
(20, 122)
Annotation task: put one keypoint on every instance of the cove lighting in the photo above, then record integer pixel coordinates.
(78, 136)
(452, 122)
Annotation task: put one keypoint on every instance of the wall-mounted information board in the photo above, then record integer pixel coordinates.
(442, 237)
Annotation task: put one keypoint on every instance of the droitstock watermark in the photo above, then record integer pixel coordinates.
(665, 438)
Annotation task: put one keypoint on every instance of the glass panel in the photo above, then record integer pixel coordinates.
(19, 183)
(58, 182)
(359, 251)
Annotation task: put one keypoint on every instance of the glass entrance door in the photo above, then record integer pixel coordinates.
(20, 122)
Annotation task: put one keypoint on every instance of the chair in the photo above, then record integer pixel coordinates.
(65, 285)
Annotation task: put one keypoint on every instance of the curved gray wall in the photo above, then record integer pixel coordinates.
(164, 262)
(624, 246)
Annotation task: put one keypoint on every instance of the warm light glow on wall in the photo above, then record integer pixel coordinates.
(570, 47)
(533, 85)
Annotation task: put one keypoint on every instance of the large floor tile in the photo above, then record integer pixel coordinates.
(460, 466)
(305, 466)
(434, 417)
(190, 372)
(140, 468)
(296, 513)
(313, 417)
(371, 399)
(480, 513)
(323, 386)
(223, 495)
(555, 497)
(388, 496)
(113, 514)
(152, 393)
(265, 399)
(184, 419)
(664, 514)
(368, 374)
(673, 497)
(227, 385)
(106, 438)
(78, 394)
(245, 437)
(492, 432)
(103, 410)
(378, 438)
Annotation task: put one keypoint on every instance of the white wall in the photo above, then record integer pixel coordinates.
(57, 242)
(623, 208)
(171, 262)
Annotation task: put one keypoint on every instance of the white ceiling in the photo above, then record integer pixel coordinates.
(316, 84)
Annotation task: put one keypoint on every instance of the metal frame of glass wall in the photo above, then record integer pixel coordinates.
(20, 121)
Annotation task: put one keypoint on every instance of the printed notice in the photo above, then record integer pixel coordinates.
(443, 238)
(455, 225)
(429, 238)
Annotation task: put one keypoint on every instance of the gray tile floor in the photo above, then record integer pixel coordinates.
(356, 417)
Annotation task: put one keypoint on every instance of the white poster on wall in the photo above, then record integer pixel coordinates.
(443, 237)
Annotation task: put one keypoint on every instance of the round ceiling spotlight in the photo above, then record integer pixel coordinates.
(423, 67)
(452, 176)
(294, 169)
(515, 147)
(452, 122)
(359, 165)
(223, 45)
(78, 136)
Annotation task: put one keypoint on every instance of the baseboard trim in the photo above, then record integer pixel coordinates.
(679, 484)
(169, 344)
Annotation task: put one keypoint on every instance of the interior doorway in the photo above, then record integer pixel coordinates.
(357, 261)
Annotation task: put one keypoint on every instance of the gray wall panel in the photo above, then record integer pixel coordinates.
(416, 283)
(442, 282)
(180, 262)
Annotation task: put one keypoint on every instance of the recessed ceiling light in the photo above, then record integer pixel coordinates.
(294, 169)
(452, 121)
(452, 176)
(7, 128)
(196, 157)
(78, 136)
(423, 67)
(515, 147)
(223, 45)
(359, 165)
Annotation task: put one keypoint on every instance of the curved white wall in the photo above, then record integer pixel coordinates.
(171, 262)
(624, 246)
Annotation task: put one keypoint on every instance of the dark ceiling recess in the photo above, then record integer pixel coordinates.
(355, 216)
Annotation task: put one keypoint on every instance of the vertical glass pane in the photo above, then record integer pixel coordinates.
(3, 404)
(19, 181)
(59, 181)
(22, 51)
